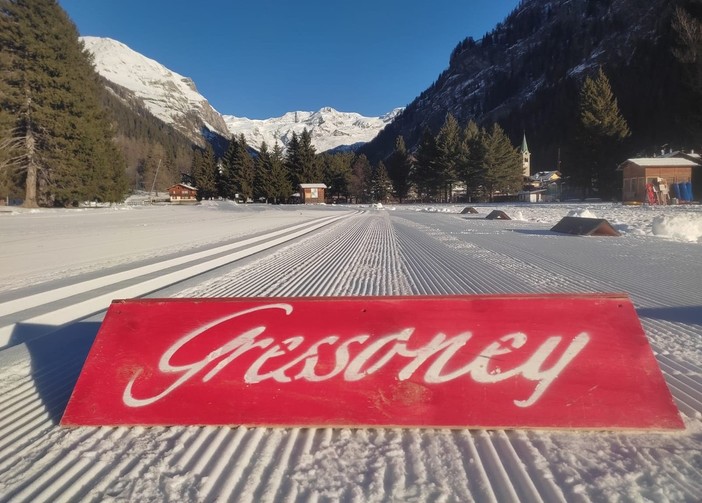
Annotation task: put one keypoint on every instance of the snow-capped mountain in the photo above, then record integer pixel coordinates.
(329, 128)
(170, 97)
(174, 99)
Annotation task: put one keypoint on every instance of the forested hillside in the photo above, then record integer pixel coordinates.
(527, 75)
(145, 141)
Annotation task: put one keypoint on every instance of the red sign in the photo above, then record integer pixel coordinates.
(535, 361)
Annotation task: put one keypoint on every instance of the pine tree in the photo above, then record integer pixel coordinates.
(399, 166)
(227, 180)
(687, 26)
(501, 163)
(282, 188)
(449, 147)
(263, 179)
(471, 161)
(241, 167)
(361, 182)
(308, 168)
(204, 172)
(381, 183)
(293, 162)
(602, 131)
(425, 172)
(54, 125)
(337, 173)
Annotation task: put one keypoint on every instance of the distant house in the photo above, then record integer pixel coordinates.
(182, 193)
(657, 179)
(546, 177)
(312, 193)
(543, 186)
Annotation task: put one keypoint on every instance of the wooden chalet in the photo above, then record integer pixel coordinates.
(657, 180)
(182, 193)
(312, 193)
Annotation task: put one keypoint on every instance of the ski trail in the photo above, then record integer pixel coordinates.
(359, 256)
(373, 253)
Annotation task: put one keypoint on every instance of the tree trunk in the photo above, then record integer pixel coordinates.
(30, 198)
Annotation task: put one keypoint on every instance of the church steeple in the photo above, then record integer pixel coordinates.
(526, 158)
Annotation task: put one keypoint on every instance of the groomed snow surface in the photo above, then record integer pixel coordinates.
(59, 269)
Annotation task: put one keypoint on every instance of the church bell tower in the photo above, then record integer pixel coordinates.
(526, 158)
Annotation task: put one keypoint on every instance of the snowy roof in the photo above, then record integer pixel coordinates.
(680, 153)
(313, 186)
(546, 175)
(660, 161)
(182, 185)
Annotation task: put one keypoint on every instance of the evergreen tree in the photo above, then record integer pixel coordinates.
(449, 150)
(687, 25)
(361, 182)
(337, 173)
(501, 163)
(471, 161)
(282, 188)
(602, 131)
(381, 183)
(293, 162)
(308, 168)
(263, 179)
(204, 172)
(399, 166)
(227, 178)
(425, 173)
(241, 167)
(301, 160)
(57, 132)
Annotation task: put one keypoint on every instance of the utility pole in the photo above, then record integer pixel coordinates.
(154, 182)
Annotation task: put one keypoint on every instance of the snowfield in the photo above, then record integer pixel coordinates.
(61, 268)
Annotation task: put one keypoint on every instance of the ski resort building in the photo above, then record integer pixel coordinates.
(312, 193)
(182, 193)
(657, 180)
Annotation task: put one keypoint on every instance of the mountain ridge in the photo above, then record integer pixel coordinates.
(175, 100)
(526, 74)
(329, 128)
(167, 95)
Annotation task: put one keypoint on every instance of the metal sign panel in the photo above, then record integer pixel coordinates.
(527, 361)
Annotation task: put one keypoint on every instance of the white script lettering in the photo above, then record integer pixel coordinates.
(282, 357)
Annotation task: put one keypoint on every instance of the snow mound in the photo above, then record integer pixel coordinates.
(683, 227)
(581, 213)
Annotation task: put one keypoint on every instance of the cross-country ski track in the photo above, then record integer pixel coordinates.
(46, 333)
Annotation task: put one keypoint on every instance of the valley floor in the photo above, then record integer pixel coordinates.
(61, 268)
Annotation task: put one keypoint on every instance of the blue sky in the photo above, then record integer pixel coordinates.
(262, 58)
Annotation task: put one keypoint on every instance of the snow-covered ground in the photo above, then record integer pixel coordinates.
(60, 268)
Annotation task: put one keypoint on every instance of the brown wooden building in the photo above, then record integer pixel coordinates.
(642, 175)
(312, 193)
(182, 193)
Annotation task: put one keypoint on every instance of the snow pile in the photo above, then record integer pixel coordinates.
(683, 227)
(582, 213)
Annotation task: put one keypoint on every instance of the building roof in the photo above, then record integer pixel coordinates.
(182, 185)
(680, 153)
(660, 162)
(545, 176)
(313, 186)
